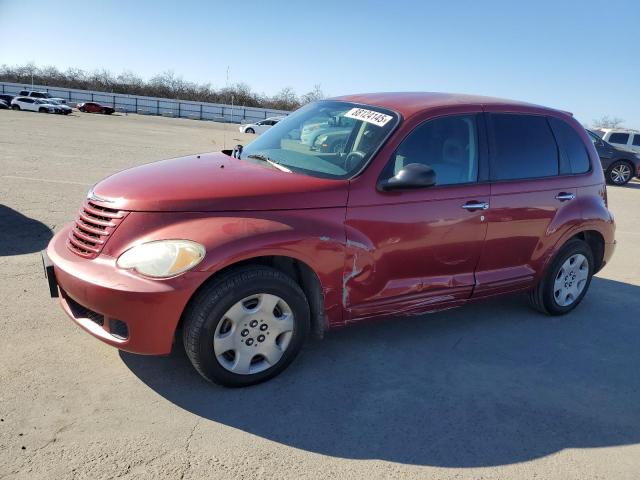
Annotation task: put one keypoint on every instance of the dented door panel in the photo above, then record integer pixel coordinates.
(412, 252)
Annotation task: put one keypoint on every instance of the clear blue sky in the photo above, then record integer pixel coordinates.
(580, 56)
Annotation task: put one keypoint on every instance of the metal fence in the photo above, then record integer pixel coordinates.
(152, 105)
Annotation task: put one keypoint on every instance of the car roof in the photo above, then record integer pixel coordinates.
(410, 103)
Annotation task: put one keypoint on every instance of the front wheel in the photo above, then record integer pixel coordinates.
(619, 173)
(566, 281)
(246, 327)
(15, 107)
(249, 130)
(44, 110)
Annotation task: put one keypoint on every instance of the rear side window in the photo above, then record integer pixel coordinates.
(636, 140)
(522, 146)
(619, 138)
(571, 146)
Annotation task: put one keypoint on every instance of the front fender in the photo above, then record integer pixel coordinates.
(313, 236)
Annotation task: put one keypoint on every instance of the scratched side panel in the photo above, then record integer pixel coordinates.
(413, 256)
(314, 236)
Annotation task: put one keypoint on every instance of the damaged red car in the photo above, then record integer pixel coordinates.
(431, 201)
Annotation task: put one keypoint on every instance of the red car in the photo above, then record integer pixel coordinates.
(93, 107)
(434, 201)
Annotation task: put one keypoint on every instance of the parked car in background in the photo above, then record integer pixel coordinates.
(94, 107)
(243, 253)
(619, 165)
(624, 138)
(261, 126)
(35, 105)
(66, 109)
(316, 127)
(7, 98)
(3, 105)
(36, 94)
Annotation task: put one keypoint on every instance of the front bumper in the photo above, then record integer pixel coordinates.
(100, 297)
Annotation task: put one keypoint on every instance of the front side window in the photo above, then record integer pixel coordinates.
(327, 139)
(622, 138)
(636, 140)
(522, 146)
(449, 145)
(572, 146)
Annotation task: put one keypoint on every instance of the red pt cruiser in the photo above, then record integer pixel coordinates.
(429, 202)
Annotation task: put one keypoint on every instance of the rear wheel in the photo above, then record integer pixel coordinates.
(619, 173)
(246, 327)
(566, 281)
(43, 110)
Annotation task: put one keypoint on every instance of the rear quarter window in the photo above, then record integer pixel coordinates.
(522, 146)
(636, 140)
(622, 138)
(571, 146)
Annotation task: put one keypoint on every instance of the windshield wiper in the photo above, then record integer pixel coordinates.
(265, 158)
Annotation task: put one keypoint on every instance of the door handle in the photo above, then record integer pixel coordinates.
(564, 196)
(473, 206)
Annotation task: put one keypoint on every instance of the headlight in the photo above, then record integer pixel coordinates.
(162, 258)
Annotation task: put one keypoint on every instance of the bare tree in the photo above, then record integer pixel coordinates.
(312, 96)
(166, 84)
(608, 122)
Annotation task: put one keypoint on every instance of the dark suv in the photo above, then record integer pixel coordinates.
(619, 165)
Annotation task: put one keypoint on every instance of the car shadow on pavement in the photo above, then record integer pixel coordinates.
(489, 384)
(20, 234)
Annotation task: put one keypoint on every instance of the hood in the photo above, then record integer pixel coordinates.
(215, 182)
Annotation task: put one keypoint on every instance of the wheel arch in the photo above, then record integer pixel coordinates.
(299, 270)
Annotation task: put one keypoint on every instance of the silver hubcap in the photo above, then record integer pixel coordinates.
(571, 280)
(621, 173)
(253, 334)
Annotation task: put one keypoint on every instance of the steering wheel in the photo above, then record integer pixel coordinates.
(352, 159)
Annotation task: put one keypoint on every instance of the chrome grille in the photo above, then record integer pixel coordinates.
(92, 229)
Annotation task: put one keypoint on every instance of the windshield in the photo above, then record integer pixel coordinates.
(326, 139)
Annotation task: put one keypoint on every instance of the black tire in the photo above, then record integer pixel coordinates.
(206, 311)
(104, 111)
(542, 297)
(43, 110)
(249, 130)
(82, 109)
(617, 173)
(15, 107)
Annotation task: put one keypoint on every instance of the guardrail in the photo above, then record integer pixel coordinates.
(152, 105)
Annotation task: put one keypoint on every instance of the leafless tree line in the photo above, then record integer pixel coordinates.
(607, 122)
(164, 85)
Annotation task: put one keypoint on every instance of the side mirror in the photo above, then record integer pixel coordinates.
(412, 176)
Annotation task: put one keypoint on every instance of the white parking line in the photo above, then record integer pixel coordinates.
(45, 180)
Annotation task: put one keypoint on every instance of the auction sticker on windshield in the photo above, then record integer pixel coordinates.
(370, 116)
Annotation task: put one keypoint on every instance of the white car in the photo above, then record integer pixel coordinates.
(35, 105)
(620, 137)
(36, 94)
(261, 126)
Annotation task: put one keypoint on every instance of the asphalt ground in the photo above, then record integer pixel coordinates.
(493, 390)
